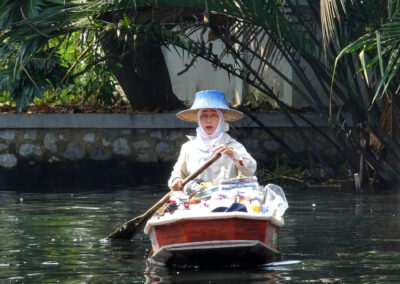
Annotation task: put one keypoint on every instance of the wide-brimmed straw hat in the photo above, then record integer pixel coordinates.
(210, 99)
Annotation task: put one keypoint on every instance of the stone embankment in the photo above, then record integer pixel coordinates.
(133, 144)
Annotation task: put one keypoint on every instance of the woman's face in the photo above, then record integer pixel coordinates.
(209, 120)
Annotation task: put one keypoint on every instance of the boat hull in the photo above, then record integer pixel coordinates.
(216, 254)
(225, 241)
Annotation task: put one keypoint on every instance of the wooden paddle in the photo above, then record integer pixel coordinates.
(126, 231)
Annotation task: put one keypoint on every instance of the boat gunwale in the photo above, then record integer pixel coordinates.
(172, 218)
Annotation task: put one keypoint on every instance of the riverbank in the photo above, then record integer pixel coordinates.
(129, 148)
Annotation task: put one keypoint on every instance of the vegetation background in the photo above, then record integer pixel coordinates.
(344, 54)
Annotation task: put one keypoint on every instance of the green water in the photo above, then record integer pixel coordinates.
(56, 236)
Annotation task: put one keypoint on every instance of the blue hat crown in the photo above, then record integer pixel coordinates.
(210, 99)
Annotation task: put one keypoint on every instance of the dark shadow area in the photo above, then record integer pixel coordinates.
(85, 173)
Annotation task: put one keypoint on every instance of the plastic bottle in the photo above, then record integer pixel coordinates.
(255, 205)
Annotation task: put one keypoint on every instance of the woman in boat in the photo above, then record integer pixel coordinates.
(211, 111)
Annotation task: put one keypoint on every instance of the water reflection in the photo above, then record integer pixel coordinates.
(329, 237)
(163, 275)
(55, 236)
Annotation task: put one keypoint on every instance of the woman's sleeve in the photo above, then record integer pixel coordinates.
(244, 162)
(180, 168)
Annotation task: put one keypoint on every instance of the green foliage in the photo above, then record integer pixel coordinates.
(5, 97)
(343, 170)
(96, 84)
(36, 48)
(280, 167)
(379, 51)
(29, 37)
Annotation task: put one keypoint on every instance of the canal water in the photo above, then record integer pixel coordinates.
(330, 236)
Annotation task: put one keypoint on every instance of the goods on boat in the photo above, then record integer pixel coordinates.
(234, 223)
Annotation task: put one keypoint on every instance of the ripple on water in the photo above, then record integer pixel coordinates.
(16, 278)
(34, 274)
(53, 237)
(50, 262)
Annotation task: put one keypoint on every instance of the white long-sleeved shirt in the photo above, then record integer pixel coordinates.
(190, 159)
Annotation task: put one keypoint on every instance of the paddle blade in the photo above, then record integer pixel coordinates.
(127, 230)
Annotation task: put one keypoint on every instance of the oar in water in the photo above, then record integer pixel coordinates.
(126, 231)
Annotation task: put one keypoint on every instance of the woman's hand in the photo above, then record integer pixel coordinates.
(223, 149)
(177, 184)
(229, 151)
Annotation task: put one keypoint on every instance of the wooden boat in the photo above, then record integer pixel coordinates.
(187, 238)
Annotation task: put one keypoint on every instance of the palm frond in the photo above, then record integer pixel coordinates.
(331, 14)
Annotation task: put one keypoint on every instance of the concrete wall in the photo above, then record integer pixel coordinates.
(31, 145)
(202, 75)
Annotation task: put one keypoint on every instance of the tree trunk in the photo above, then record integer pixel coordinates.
(144, 75)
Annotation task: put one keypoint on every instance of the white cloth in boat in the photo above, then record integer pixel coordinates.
(191, 158)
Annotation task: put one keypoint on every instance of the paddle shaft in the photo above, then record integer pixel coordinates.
(127, 230)
(202, 168)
